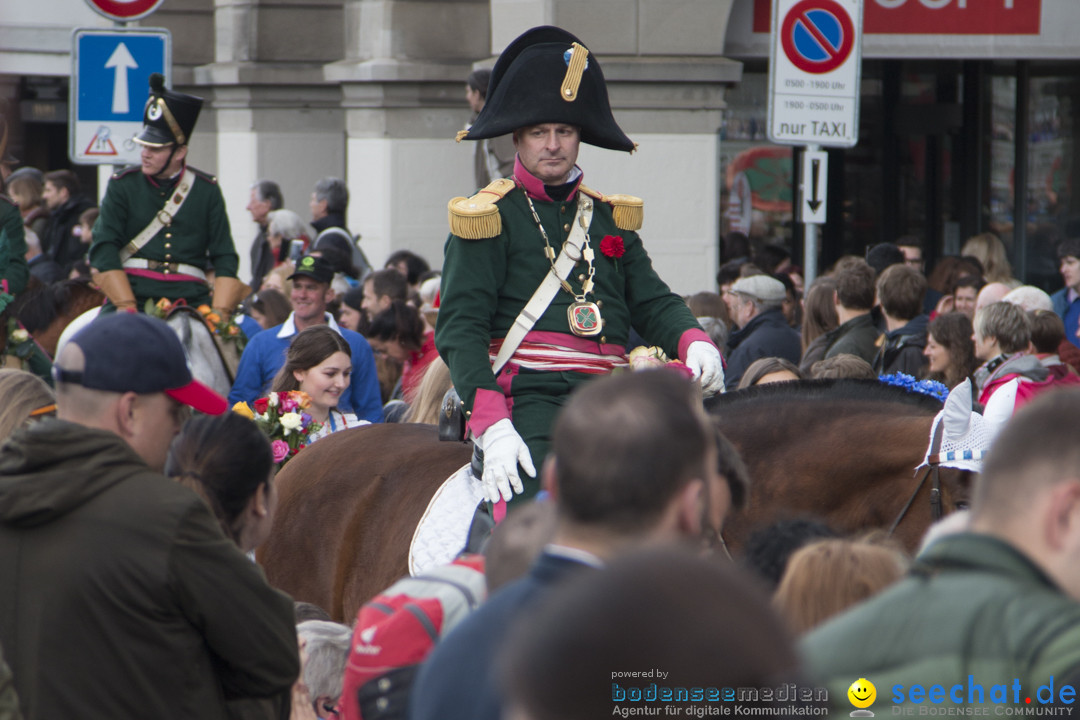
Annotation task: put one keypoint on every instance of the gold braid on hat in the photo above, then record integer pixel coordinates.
(579, 58)
(173, 125)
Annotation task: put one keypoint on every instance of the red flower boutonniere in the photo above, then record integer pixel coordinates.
(612, 246)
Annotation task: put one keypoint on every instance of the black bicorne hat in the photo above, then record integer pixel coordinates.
(548, 76)
(169, 116)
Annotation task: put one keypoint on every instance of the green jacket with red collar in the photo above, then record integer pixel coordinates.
(487, 282)
(198, 235)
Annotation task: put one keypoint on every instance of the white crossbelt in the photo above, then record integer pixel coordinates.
(541, 299)
(163, 218)
(164, 267)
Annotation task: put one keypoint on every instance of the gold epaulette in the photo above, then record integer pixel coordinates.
(477, 217)
(627, 211)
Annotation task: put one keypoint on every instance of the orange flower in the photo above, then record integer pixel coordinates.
(204, 309)
(302, 399)
(213, 318)
(164, 305)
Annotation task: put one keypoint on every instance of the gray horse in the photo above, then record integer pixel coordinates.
(205, 358)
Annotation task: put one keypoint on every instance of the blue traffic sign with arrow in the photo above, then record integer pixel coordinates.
(110, 84)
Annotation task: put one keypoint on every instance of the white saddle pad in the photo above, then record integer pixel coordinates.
(444, 528)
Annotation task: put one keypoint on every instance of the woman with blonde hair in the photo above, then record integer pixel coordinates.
(988, 249)
(26, 398)
(278, 279)
(827, 577)
(429, 396)
(26, 190)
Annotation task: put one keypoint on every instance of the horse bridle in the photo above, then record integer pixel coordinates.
(932, 471)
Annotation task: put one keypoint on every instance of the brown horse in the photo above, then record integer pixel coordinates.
(45, 310)
(844, 451)
(347, 509)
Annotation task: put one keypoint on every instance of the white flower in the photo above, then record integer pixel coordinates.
(272, 399)
(20, 336)
(291, 421)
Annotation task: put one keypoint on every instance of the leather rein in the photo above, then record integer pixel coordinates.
(932, 471)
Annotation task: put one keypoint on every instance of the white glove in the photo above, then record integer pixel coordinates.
(703, 359)
(503, 450)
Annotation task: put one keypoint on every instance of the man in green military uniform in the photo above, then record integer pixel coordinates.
(161, 222)
(546, 271)
(13, 269)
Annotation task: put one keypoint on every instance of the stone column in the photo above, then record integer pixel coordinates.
(403, 87)
(271, 114)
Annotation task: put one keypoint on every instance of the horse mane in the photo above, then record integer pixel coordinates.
(834, 390)
(39, 305)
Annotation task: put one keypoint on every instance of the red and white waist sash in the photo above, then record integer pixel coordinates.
(548, 357)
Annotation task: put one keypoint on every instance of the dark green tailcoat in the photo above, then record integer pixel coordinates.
(486, 283)
(198, 235)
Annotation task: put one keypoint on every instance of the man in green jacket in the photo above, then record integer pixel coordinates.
(121, 597)
(550, 93)
(162, 221)
(987, 618)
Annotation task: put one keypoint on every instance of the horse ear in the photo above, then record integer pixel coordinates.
(1000, 406)
(957, 413)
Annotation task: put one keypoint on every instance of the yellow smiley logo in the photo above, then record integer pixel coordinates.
(862, 693)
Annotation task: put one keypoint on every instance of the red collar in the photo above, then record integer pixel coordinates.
(172, 180)
(534, 186)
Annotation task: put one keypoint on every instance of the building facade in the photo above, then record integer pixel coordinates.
(373, 91)
(967, 125)
(967, 115)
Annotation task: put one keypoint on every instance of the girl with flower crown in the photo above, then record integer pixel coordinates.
(319, 363)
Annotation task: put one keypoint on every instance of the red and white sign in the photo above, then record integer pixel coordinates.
(936, 17)
(124, 10)
(814, 68)
(817, 36)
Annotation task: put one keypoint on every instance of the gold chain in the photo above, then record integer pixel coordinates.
(586, 253)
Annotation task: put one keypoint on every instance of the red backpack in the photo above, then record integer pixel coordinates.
(1029, 390)
(396, 630)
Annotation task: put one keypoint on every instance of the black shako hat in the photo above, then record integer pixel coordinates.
(547, 75)
(169, 116)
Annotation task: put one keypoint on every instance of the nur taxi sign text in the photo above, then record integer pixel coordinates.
(814, 72)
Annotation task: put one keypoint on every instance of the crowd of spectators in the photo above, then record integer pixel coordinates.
(168, 595)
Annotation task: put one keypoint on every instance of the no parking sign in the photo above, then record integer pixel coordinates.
(814, 72)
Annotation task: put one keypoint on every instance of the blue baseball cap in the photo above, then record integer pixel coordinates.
(128, 352)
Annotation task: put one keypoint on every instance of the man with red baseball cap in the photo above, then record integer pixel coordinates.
(120, 592)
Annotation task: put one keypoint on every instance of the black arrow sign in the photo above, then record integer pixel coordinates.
(815, 171)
